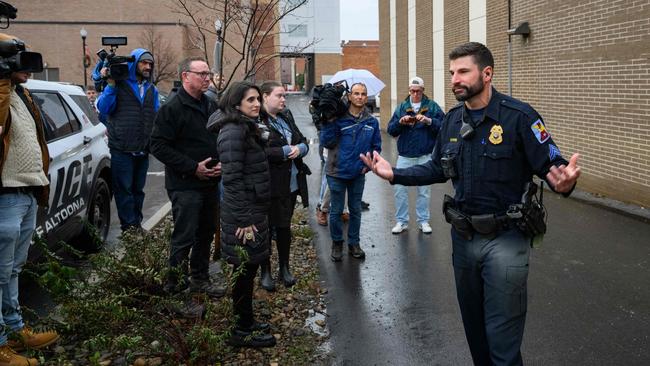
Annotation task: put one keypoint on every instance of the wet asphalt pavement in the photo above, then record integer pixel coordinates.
(589, 283)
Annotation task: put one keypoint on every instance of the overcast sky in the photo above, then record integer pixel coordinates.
(359, 20)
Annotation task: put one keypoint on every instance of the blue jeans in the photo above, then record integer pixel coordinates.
(17, 223)
(402, 193)
(338, 188)
(129, 176)
(491, 285)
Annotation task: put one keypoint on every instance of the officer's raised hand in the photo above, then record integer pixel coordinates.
(378, 165)
(563, 178)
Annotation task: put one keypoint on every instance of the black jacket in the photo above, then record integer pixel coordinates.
(180, 140)
(281, 167)
(246, 197)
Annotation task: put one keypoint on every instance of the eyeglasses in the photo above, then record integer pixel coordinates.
(203, 74)
(414, 91)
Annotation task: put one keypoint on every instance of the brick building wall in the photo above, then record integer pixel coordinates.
(326, 64)
(361, 55)
(424, 42)
(402, 57)
(585, 69)
(384, 60)
(52, 28)
(456, 32)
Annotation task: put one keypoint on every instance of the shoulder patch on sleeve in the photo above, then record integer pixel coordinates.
(540, 131)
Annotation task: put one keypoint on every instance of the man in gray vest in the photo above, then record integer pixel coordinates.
(130, 106)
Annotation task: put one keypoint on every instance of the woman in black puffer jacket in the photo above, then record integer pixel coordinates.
(245, 203)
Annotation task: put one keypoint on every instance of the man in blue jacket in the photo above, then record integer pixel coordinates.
(415, 123)
(356, 132)
(130, 106)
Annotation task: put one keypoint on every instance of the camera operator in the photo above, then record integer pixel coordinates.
(130, 106)
(345, 136)
(24, 185)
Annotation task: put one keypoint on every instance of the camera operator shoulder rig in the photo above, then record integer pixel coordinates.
(327, 102)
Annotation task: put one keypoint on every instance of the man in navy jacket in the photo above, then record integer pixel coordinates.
(356, 132)
(415, 123)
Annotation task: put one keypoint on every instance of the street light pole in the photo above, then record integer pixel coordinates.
(218, 54)
(84, 34)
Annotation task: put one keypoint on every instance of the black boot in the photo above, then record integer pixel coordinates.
(285, 274)
(265, 276)
(284, 249)
(246, 338)
(337, 251)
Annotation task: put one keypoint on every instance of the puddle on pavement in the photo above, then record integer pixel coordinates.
(317, 324)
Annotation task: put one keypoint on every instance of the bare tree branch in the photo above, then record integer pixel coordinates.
(164, 54)
(249, 30)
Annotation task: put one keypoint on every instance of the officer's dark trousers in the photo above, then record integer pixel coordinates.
(194, 212)
(491, 282)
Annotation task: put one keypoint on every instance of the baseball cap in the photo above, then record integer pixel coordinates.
(416, 81)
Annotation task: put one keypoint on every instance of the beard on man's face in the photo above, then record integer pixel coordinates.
(468, 92)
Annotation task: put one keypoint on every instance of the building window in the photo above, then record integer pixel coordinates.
(297, 30)
(48, 74)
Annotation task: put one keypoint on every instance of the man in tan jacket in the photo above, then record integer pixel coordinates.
(23, 186)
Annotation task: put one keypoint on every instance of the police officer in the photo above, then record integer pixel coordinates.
(490, 145)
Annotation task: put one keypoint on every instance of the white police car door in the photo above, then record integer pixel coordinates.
(70, 170)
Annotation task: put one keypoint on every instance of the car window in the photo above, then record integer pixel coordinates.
(55, 117)
(74, 122)
(88, 109)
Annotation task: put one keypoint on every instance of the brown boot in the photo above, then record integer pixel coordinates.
(321, 217)
(26, 338)
(9, 357)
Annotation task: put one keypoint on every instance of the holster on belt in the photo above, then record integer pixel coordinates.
(457, 218)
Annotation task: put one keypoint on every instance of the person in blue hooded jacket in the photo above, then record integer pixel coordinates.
(356, 132)
(130, 107)
(415, 123)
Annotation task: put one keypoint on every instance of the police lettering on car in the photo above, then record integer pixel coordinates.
(490, 145)
(79, 171)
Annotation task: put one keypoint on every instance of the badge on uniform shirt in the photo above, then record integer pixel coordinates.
(540, 131)
(496, 134)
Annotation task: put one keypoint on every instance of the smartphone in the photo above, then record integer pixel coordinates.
(212, 163)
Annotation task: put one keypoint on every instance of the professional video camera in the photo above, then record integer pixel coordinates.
(6, 12)
(327, 102)
(118, 66)
(13, 56)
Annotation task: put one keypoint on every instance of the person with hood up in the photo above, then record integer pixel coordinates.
(130, 106)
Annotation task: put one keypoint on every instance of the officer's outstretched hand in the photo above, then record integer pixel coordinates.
(563, 178)
(378, 165)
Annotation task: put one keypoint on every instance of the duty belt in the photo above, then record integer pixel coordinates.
(466, 225)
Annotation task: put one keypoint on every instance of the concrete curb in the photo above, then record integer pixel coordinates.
(157, 217)
(627, 209)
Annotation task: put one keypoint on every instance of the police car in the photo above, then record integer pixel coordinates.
(80, 184)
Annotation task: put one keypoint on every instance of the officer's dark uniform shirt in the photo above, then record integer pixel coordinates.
(507, 147)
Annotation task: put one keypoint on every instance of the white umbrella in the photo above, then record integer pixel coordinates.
(352, 76)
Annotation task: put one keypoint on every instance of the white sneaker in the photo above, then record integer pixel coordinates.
(426, 228)
(399, 227)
